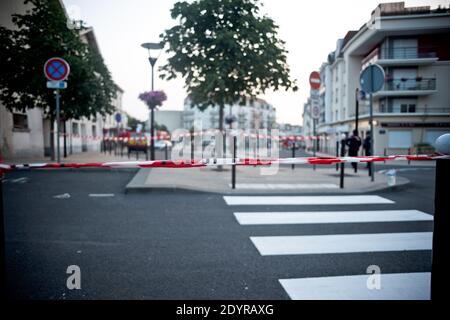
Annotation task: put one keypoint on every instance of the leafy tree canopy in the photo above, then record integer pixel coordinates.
(42, 33)
(226, 52)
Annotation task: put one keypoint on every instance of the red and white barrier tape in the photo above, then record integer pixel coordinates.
(219, 161)
(194, 134)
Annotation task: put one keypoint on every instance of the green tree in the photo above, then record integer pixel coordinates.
(161, 127)
(42, 33)
(225, 51)
(133, 123)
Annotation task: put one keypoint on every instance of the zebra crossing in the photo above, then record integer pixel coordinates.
(404, 286)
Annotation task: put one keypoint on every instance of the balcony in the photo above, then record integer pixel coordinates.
(403, 110)
(407, 87)
(403, 56)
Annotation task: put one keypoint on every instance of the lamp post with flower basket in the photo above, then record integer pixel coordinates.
(153, 99)
(154, 51)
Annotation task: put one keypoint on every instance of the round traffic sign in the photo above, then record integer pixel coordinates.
(372, 78)
(56, 69)
(315, 114)
(118, 117)
(314, 80)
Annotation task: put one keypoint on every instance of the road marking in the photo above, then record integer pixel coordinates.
(343, 243)
(404, 170)
(304, 200)
(396, 286)
(285, 186)
(62, 196)
(101, 195)
(20, 180)
(309, 217)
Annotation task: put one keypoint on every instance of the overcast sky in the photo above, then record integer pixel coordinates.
(310, 29)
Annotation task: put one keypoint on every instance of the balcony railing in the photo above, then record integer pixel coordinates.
(404, 84)
(403, 109)
(407, 53)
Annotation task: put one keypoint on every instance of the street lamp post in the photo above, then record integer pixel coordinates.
(152, 58)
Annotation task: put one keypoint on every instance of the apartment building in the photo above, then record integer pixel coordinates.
(254, 115)
(27, 134)
(413, 107)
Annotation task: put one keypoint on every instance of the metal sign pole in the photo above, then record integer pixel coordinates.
(233, 167)
(372, 141)
(314, 141)
(58, 156)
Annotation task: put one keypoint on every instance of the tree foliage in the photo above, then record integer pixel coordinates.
(42, 33)
(133, 123)
(225, 51)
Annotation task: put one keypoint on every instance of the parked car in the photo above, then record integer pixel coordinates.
(161, 144)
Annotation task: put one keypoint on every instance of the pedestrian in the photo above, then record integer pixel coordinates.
(354, 143)
(367, 146)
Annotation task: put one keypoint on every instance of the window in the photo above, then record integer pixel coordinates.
(94, 131)
(20, 121)
(399, 138)
(404, 105)
(75, 129)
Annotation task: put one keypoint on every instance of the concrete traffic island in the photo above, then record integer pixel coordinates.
(303, 179)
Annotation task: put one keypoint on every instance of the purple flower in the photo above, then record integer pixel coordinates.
(153, 98)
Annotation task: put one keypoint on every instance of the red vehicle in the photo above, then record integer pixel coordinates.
(137, 142)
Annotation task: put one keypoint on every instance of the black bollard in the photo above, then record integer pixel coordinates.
(293, 155)
(441, 237)
(341, 176)
(233, 167)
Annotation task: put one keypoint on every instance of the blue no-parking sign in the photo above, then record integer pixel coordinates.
(56, 69)
(372, 78)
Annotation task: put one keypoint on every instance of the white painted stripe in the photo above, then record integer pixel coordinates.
(284, 186)
(343, 243)
(304, 200)
(100, 195)
(394, 286)
(308, 217)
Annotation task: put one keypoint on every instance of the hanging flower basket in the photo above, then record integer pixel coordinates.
(153, 99)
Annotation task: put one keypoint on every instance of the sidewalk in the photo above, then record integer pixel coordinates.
(81, 157)
(303, 179)
(396, 162)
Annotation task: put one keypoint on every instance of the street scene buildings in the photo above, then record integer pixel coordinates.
(272, 190)
(413, 108)
(256, 114)
(26, 134)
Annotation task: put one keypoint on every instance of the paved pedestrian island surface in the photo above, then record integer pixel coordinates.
(253, 180)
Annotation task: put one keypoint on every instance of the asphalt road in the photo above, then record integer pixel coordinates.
(174, 245)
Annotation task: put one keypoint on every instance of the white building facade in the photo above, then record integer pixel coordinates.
(27, 134)
(413, 107)
(254, 115)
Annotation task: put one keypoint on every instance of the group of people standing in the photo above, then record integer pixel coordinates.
(354, 142)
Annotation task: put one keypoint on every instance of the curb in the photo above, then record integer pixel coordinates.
(137, 185)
